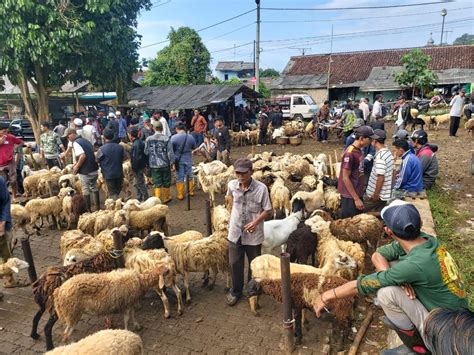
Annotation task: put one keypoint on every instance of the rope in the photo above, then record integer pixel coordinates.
(114, 253)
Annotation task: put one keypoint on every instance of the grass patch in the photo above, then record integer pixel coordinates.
(460, 246)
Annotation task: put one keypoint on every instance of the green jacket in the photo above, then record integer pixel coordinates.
(428, 268)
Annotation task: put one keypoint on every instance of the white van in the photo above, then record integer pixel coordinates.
(297, 106)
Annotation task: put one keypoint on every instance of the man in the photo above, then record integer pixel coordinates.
(113, 125)
(414, 275)
(426, 153)
(403, 115)
(379, 188)
(348, 119)
(7, 161)
(455, 113)
(157, 116)
(357, 124)
(77, 125)
(277, 117)
(199, 125)
(147, 129)
(139, 163)
(264, 122)
(351, 177)
(172, 122)
(322, 117)
(160, 154)
(122, 127)
(364, 106)
(222, 136)
(358, 111)
(183, 146)
(377, 111)
(250, 206)
(103, 120)
(110, 158)
(410, 177)
(51, 146)
(86, 166)
(90, 132)
(60, 128)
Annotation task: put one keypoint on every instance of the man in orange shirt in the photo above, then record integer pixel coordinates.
(199, 125)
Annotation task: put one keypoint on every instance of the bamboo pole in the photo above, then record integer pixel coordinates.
(331, 167)
(361, 333)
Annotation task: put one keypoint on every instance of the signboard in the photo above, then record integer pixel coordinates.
(253, 80)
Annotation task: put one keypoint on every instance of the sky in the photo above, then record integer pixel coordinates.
(285, 33)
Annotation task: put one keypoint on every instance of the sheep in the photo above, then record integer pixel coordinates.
(301, 244)
(157, 217)
(469, 126)
(312, 200)
(31, 182)
(44, 287)
(280, 197)
(110, 219)
(51, 206)
(127, 170)
(20, 216)
(321, 213)
(103, 294)
(67, 180)
(86, 221)
(321, 165)
(361, 229)
(172, 241)
(215, 183)
(213, 168)
(104, 342)
(332, 199)
(12, 265)
(135, 205)
(67, 169)
(73, 206)
(300, 167)
(305, 289)
(48, 184)
(439, 119)
(200, 256)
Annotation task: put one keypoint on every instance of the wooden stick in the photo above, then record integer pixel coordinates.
(360, 334)
(335, 155)
(331, 167)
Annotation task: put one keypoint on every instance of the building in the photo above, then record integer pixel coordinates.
(234, 69)
(367, 73)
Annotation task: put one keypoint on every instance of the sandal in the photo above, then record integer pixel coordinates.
(16, 284)
(231, 300)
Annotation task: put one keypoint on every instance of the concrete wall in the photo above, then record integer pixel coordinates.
(319, 95)
(231, 74)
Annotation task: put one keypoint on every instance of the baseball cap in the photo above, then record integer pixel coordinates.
(365, 131)
(242, 165)
(358, 123)
(379, 134)
(419, 134)
(111, 114)
(403, 219)
(401, 134)
(118, 113)
(78, 122)
(69, 131)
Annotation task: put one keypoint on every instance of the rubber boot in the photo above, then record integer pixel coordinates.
(180, 190)
(96, 200)
(158, 192)
(412, 341)
(166, 195)
(191, 188)
(87, 202)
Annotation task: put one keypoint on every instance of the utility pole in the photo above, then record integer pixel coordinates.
(257, 49)
(444, 12)
(302, 49)
(254, 72)
(329, 64)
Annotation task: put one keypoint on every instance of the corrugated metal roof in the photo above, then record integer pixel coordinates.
(69, 87)
(299, 81)
(234, 66)
(187, 96)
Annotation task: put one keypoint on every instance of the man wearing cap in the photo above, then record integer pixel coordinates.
(456, 111)
(183, 146)
(122, 127)
(86, 166)
(250, 206)
(410, 177)
(263, 126)
(77, 125)
(139, 163)
(403, 114)
(51, 146)
(158, 117)
(403, 134)
(110, 158)
(172, 122)
(147, 129)
(222, 136)
(113, 125)
(351, 178)
(90, 132)
(7, 160)
(379, 187)
(160, 154)
(414, 275)
(426, 153)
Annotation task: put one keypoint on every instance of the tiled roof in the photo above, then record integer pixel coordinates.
(351, 67)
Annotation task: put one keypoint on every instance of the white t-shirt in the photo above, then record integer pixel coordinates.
(166, 128)
(456, 106)
(399, 120)
(377, 109)
(383, 165)
(90, 133)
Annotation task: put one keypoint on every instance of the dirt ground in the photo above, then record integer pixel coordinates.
(208, 325)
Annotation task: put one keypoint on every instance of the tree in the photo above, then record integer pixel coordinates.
(269, 73)
(415, 73)
(262, 89)
(184, 61)
(464, 39)
(49, 42)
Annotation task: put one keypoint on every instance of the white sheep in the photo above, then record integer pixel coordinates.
(215, 184)
(135, 205)
(321, 165)
(20, 216)
(280, 196)
(156, 217)
(213, 168)
(12, 265)
(220, 219)
(332, 199)
(312, 200)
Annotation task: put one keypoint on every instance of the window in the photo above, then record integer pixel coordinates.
(226, 77)
(298, 100)
(309, 100)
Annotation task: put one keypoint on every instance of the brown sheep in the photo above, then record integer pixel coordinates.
(361, 229)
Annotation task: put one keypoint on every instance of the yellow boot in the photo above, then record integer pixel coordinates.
(180, 190)
(166, 195)
(191, 188)
(157, 192)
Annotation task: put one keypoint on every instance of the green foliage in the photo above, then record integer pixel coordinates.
(464, 39)
(184, 61)
(415, 71)
(262, 89)
(269, 73)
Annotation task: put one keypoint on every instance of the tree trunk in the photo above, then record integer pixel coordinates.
(31, 113)
(121, 86)
(413, 93)
(42, 99)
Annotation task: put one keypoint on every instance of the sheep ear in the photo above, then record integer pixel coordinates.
(161, 282)
(14, 269)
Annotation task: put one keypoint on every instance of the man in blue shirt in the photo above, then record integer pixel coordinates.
(410, 177)
(183, 146)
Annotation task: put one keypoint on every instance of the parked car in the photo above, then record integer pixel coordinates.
(22, 129)
(295, 106)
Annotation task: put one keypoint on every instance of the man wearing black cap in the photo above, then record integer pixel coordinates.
(250, 206)
(410, 176)
(264, 122)
(426, 153)
(403, 114)
(414, 275)
(139, 163)
(222, 136)
(351, 177)
(379, 188)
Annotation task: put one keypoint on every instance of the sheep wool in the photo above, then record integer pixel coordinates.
(361, 229)
(156, 217)
(104, 342)
(220, 219)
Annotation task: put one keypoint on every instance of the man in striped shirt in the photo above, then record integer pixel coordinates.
(379, 188)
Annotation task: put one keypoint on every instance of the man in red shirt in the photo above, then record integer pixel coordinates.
(351, 176)
(7, 160)
(199, 125)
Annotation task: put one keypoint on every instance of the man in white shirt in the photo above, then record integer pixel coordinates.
(89, 132)
(364, 106)
(377, 109)
(158, 117)
(456, 111)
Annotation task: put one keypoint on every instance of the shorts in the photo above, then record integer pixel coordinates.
(348, 208)
(88, 183)
(373, 206)
(161, 177)
(6, 246)
(9, 171)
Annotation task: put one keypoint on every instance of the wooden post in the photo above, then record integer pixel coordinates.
(331, 167)
(288, 322)
(187, 196)
(360, 334)
(25, 245)
(119, 248)
(207, 210)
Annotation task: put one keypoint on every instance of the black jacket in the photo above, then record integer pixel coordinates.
(223, 138)
(406, 113)
(89, 164)
(110, 157)
(139, 159)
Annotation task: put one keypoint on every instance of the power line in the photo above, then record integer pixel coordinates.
(204, 28)
(159, 3)
(228, 33)
(353, 7)
(233, 47)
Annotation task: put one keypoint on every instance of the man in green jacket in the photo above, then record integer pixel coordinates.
(414, 275)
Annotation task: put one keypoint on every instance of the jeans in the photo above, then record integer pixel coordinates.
(223, 156)
(88, 183)
(454, 125)
(184, 169)
(322, 134)
(198, 137)
(115, 187)
(140, 185)
(237, 253)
